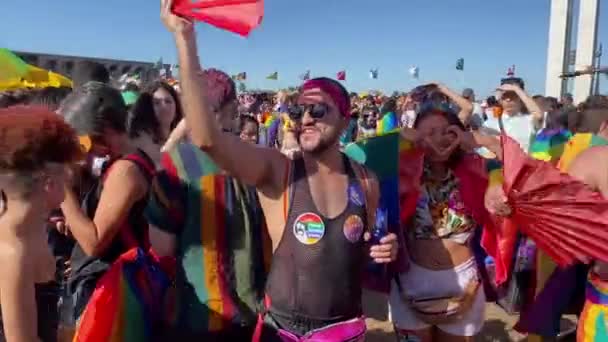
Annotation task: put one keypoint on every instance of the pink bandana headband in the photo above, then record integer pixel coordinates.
(333, 90)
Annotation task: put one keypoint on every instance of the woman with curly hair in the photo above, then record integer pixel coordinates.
(36, 149)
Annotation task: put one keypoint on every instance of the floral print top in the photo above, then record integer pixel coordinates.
(440, 211)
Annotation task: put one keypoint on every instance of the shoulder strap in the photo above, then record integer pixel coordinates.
(146, 166)
(371, 191)
(144, 163)
(288, 188)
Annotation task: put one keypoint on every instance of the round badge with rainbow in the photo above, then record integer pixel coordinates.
(309, 228)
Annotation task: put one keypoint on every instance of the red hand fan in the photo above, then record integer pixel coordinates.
(238, 16)
(564, 217)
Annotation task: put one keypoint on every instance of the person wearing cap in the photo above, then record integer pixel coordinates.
(315, 205)
(520, 115)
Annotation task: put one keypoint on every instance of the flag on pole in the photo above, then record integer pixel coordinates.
(511, 71)
(305, 76)
(415, 71)
(159, 64)
(241, 76)
(373, 73)
(174, 68)
(460, 64)
(274, 76)
(341, 76)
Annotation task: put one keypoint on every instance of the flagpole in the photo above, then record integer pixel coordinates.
(462, 79)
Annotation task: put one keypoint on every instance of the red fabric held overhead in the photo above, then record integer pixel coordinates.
(238, 16)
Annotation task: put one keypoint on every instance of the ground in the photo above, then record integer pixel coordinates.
(498, 326)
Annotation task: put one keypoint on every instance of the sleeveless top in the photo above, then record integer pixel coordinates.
(135, 232)
(317, 268)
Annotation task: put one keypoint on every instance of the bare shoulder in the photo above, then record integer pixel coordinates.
(124, 168)
(126, 173)
(592, 156)
(590, 165)
(14, 258)
(276, 179)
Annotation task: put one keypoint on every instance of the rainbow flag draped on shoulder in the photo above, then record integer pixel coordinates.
(384, 154)
(223, 249)
(128, 302)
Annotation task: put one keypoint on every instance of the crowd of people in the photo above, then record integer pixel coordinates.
(264, 229)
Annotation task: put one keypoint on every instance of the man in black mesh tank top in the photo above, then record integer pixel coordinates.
(315, 205)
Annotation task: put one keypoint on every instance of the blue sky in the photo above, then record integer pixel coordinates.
(324, 36)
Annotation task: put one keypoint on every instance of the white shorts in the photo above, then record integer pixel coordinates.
(420, 282)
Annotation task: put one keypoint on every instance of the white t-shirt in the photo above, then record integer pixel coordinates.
(477, 109)
(408, 118)
(520, 127)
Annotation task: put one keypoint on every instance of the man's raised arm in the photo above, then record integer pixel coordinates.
(263, 168)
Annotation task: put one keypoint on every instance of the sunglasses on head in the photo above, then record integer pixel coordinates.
(316, 111)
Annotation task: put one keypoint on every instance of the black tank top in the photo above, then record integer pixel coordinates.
(317, 267)
(85, 267)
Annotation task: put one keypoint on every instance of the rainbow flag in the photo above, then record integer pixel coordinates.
(548, 145)
(381, 155)
(127, 305)
(269, 119)
(384, 155)
(223, 250)
(593, 322)
(387, 124)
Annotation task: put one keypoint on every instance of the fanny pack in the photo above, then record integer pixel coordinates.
(348, 331)
(442, 310)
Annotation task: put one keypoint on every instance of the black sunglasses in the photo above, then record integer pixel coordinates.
(317, 111)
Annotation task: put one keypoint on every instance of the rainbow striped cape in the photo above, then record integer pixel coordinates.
(222, 244)
(128, 302)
